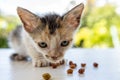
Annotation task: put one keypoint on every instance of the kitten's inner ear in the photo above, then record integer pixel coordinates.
(29, 20)
(72, 18)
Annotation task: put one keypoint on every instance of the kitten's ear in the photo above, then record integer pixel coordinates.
(29, 20)
(72, 18)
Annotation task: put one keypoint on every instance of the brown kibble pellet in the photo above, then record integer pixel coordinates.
(81, 71)
(62, 62)
(50, 64)
(83, 64)
(69, 71)
(70, 62)
(95, 64)
(58, 64)
(73, 66)
(46, 76)
(54, 66)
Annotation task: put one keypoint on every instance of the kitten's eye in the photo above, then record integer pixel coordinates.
(42, 45)
(64, 43)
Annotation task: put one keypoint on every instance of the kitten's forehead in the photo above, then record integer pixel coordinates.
(52, 28)
(52, 21)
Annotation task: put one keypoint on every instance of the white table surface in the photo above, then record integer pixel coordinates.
(108, 59)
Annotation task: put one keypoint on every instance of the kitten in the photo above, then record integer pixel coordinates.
(45, 39)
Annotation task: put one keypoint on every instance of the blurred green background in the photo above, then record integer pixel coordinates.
(100, 27)
(7, 24)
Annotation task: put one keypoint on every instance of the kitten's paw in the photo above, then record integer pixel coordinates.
(18, 57)
(40, 63)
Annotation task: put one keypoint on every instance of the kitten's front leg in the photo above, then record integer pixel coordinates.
(37, 58)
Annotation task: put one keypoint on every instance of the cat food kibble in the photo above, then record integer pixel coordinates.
(62, 62)
(73, 66)
(50, 64)
(46, 76)
(81, 71)
(69, 71)
(95, 64)
(54, 66)
(70, 62)
(83, 64)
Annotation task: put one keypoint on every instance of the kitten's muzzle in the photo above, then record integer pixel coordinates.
(52, 57)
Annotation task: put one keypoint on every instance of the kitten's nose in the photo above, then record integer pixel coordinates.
(54, 57)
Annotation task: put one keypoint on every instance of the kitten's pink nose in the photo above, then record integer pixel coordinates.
(54, 57)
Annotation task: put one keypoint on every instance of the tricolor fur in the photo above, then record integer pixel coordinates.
(45, 38)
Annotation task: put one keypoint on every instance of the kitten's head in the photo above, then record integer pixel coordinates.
(51, 34)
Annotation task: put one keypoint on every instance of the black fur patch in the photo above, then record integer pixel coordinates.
(51, 21)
